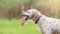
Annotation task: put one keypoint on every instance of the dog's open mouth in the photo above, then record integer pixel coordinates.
(25, 18)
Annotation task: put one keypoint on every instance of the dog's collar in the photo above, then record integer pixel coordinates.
(37, 20)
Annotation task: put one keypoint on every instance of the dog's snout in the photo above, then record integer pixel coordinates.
(21, 13)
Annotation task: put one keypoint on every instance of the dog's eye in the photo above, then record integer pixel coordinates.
(28, 12)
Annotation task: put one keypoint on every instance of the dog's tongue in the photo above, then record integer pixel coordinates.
(24, 19)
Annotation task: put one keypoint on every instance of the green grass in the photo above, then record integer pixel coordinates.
(14, 27)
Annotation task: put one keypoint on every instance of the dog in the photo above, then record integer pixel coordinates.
(46, 24)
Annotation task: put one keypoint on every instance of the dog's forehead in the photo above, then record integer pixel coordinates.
(29, 11)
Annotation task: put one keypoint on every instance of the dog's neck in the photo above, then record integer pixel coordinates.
(36, 20)
(36, 17)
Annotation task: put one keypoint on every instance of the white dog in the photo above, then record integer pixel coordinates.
(46, 24)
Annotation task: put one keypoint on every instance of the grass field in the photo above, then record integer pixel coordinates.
(14, 27)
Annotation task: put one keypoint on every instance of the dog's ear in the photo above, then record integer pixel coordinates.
(34, 16)
(24, 13)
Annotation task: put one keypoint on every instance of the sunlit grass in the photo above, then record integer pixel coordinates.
(14, 27)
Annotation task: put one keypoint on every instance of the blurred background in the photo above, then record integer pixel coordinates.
(10, 9)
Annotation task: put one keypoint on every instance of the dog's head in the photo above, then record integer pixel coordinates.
(31, 13)
(28, 13)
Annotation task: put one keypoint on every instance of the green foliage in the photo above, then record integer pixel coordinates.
(0, 1)
(10, 2)
(50, 8)
(31, 1)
